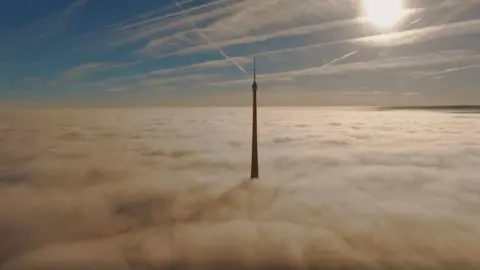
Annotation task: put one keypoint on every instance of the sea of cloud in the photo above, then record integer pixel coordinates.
(155, 188)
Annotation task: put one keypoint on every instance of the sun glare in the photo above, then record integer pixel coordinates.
(383, 13)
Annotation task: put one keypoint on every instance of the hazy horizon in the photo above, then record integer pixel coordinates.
(446, 106)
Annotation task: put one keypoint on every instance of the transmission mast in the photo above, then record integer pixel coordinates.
(254, 173)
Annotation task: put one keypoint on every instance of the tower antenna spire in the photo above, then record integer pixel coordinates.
(254, 172)
(254, 70)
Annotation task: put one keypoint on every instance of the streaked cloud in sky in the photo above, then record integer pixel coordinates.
(153, 52)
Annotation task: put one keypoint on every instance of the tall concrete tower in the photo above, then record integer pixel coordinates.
(254, 173)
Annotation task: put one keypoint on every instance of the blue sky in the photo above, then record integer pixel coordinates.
(309, 52)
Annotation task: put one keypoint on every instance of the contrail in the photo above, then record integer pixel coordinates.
(447, 71)
(452, 15)
(340, 59)
(197, 30)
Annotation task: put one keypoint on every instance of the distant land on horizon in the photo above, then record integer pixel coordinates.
(436, 107)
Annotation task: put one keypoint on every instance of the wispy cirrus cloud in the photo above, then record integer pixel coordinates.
(232, 26)
(160, 77)
(81, 72)
(157, 27)
(73, 7)
(423, 34)
(383, 40)
(204, 65)
(144, 18)
(421, 60)
(227, 23)
(293, 32)
(152, 80)
(291, 39)
(199, 78)
(236, 29)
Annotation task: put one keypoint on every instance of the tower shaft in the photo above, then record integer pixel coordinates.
(254, 172)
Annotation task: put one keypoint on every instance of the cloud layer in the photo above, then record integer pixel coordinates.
(140, 189)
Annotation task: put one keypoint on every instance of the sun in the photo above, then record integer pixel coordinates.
(383, 13)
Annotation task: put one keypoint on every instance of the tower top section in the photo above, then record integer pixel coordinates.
(254, 86)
